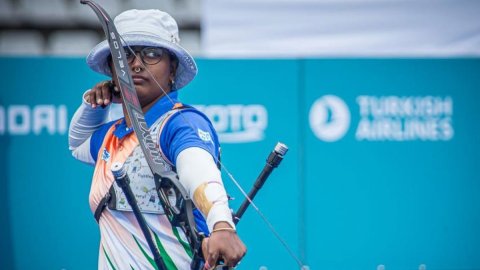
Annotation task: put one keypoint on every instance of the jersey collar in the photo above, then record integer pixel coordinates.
(160, 107)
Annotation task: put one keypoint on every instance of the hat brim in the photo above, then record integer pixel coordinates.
(186, 71)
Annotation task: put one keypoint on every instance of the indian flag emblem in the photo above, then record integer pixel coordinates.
(105, 154)
(204, 135)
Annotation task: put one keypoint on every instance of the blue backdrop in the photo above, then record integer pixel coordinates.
(382, 170)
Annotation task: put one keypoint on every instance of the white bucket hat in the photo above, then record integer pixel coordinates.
(147, 28)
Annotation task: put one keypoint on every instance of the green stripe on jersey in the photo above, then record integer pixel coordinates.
(166, 258)
(108, 259)
(149, 259)
(163, 253)
(185, 245)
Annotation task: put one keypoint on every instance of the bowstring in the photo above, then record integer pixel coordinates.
(227, 171)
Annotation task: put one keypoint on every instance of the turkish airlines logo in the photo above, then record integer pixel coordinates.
(329, 118)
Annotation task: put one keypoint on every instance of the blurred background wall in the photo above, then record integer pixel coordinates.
(376, 99)
(67, 28)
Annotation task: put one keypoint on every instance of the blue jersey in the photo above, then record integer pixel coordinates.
(190, 128)
(186, 128)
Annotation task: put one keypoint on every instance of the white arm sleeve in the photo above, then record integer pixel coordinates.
(201, 178)
(84, 122)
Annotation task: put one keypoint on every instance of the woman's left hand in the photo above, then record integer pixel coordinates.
(223, 245)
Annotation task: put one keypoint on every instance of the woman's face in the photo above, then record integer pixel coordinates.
(150, 67)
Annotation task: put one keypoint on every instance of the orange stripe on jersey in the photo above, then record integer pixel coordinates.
(112, 150)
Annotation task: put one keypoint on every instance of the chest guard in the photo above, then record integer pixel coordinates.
(141, 179)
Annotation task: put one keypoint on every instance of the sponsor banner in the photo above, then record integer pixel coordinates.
(45, 189)
(237, 123)
(384, 118)
(38, 119)
(397, 118)
(381, 172)
(389, 160)
(44, 183)
(329, 118)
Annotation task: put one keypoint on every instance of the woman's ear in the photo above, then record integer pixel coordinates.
(173, 68)
(173, 72)
(173, 64)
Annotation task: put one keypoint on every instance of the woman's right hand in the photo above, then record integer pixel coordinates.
(102, 94)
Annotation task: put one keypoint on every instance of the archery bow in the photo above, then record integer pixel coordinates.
(179, 214)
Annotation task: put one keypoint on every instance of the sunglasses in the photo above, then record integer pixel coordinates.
(149, 55)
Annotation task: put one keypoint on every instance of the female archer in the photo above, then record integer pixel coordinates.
(186, 139)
